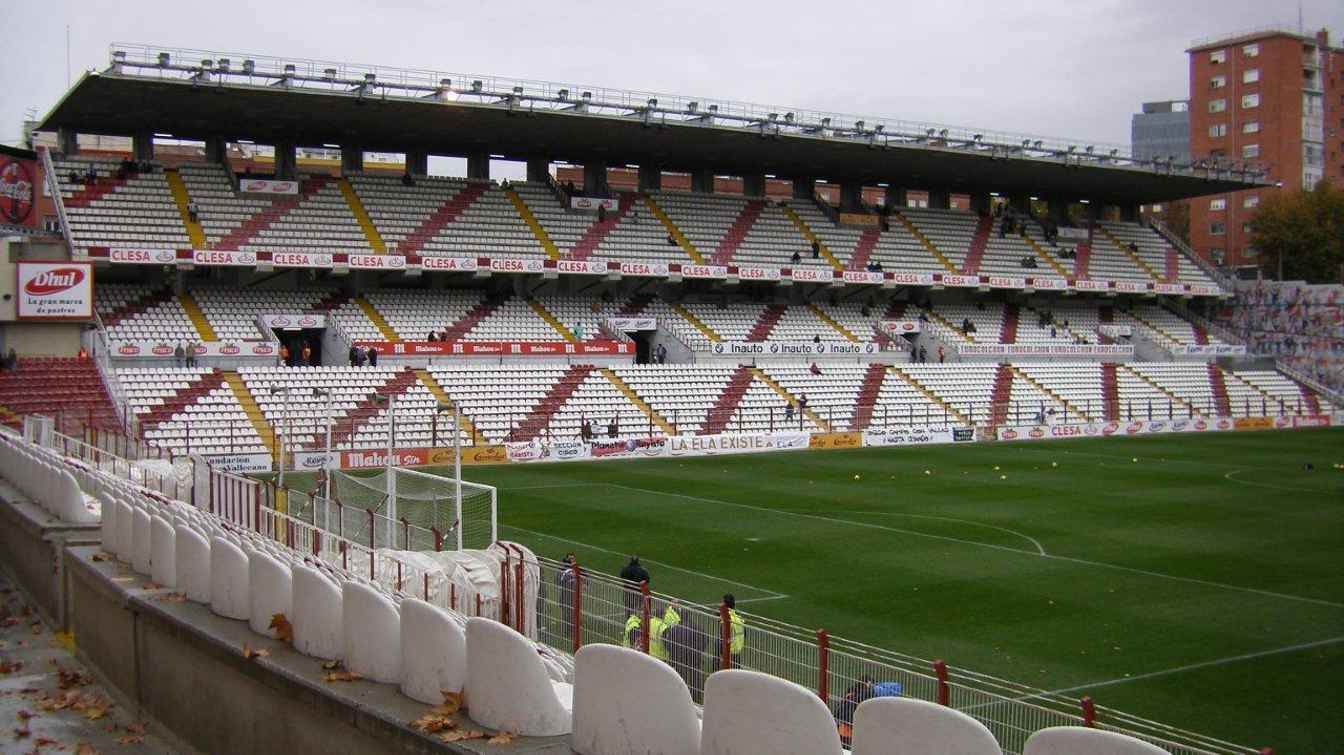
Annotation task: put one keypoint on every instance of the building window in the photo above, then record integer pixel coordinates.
(1217, 229)
(1250, 127)
(1251, 201)
(1249, 101)
(1217, 204)
(1251, 50)
(1250, 76)
(1245, 227)
(1218, 82)
(1250, 150)
(1217, 255)
(1217, 130)
(1218, 56)
(1217, 106)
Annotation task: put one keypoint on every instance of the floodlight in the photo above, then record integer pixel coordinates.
(223, 65)
(587, 96)
(164, 58)
(249, 66)
(943, 133)
(653, 102)
(562, 95)
(369, 78)
(858, 125)
(476, 86)
(826, 122)
(978, 138)
(289, 69)
(788, 117)
(518, 90)
(692, 106)
(1038, 143)
(713, 108)
(207, 64)
(329, 74)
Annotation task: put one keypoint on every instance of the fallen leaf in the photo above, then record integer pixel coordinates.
(9, 621)
(96, 712)
(452, 703)
(36, 627)
(329, 665)
(284, 631)
(459, 735)
(152, 586)
(99, 557)
(342, 676)
(85, 748)
(24, 715)
(135, 727)
(249, 652)
(68, 678)
(172, 597)
(130, 740)
(21, 732)
(47, 742)
(9, 667)
(431, 724)
(502, 738)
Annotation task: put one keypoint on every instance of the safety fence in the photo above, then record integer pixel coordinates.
(565, 606)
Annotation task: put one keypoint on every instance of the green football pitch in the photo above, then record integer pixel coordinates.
(1194, 580)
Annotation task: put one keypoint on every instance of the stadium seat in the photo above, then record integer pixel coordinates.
(434, 652)
(230, 590)
(1080, 740)
(905, 726)
(748, 711)
(508, 686)
(192, 552)
(271, 593)
(626, 701)
(372, 633)
(317, 619)
(163, 552)
(141, 544)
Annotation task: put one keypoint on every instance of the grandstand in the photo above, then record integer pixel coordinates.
(305, 319)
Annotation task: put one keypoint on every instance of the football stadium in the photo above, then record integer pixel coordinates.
(704, 427)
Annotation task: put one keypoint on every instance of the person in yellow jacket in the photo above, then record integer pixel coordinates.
(737, 630)
(657, 625)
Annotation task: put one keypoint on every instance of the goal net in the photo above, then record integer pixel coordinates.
(425, 501)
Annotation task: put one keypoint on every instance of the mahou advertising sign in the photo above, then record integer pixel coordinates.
(55, 291)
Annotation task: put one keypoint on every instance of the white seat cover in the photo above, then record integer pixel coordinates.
(434, 652)
(903, 726)
(1080, 740)
(507, 684)
(626, 701)
(751, 712)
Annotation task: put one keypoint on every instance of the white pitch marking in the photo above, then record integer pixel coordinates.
(1039, 548)
(1190, 667)
(1231, 478)
(774, 595)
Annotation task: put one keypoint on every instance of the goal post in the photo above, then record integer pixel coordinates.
(465, 513)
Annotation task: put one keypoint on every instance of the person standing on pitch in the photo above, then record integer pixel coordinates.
(633, 574)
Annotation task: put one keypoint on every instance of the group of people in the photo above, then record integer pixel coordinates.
(359, 356)
(586, 432)
(816, 253)
(9, 361)
(184, 355)
(306, 357)
(679, 637)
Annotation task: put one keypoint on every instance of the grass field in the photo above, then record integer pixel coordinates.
(1201, 585)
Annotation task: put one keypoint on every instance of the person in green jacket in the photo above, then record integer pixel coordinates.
(657, 626)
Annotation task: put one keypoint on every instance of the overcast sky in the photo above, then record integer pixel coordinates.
(1074, 69)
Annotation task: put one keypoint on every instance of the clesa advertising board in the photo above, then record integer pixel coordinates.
(54, 291)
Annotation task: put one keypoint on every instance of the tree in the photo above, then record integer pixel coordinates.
(1300, 236)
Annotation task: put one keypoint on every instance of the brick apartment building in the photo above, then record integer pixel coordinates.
(1271, 98)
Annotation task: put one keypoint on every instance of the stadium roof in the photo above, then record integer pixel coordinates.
(193, 94)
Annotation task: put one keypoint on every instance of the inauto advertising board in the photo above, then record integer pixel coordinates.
(54, 290)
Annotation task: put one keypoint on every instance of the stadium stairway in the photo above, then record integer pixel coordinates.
(377, 319)
(1201, 335)
(1271, 402)
(833, 323)
(361, 214)
(895, 311)
(348, 425)
(863, 249)
(1008, 328)
(560, 328)
(444, 215)
(742, 225)
(1002, 394)
(182, 198)
(459, 330)
(695, 321)
(930, 395)
(1172, 262)
(653, 415)
(250, 408)
(1190, 408)
(674, 231)
(978, 242)
(1123, 247)
(1310, 399)
(201, 386)
(135, 307)
(1071, 408)
(555, 398)
(1105, 316)
(1041, 253)
(943, 321)
(926, 243)
(812, 238)
(595, 234)
(197, 317)
(868, 395)
(1173, 340)
(716, 420)
(808, 412)
(1110, 391)
(101, 187)
(1082, 261)
(766, 322)
(280, 207)
(525, 212)
(464, 423)
(1220, 399)
(65, 388)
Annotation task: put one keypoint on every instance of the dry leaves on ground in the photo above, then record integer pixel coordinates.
(172, 597)
(342, 676)
(24, 715)
(152, 586)
(84, 748)
(284, 631)
(21, 732)
(67, 678)
(458, 735)
(452, 702)
(250, 652)
(502, 738)
(130, 740)
(8, 667)
(330, 665)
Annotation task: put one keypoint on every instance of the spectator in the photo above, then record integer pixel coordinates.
(359, 356)
(373, 357)
(180, 355)
(660, 354)
(814, 369)
(816, 339)
(1052, 331)
(671, 241)
(307, 353)
(432, 336)
(796, 258)
(564, 588)
(11, 359)
(802, 401)
(578, 331)
(816, 250)
(788, 412)
(923, 354)
(585, 430)
(192, 348)
(634, 574)
(284, 354)
(354, 352)
(686, 642)
(601, 213)
(613, 427)
(844, 709)
(193, 212)
(940, 354)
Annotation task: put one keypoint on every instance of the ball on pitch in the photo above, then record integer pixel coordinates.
(996, 467)
(928, 471)
(1054, 463)
(1003, 477)
(856, 477)
(1135, 460)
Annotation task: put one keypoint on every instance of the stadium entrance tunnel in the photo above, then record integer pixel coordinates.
(295, 339)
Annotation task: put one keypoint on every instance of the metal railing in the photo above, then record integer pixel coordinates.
(54, 186)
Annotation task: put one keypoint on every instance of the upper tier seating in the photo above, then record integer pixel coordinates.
(233, 312)
(1161, 325)
(1153, 249)
(137, 312)
(318, 219)
(445, 217)
(135, 211)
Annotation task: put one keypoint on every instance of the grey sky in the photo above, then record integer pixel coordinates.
(1074, 69)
